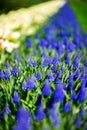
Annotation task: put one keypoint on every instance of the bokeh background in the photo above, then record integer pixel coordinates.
(79, 6)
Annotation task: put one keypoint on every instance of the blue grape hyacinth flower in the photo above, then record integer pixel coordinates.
(1, 74)
(54, 116)
(7, 110)
(47, 62)
(82, 95)
(38, 75)
(46, 88)
(51, 76)
(24, 85)
(31, 82)
(16, 97)
(40, 114)
(67, 107)
(15, 71)
(74, 95)
(7, 75)
(28, 43)
(23, 120)
(78, 123)
(58, 94)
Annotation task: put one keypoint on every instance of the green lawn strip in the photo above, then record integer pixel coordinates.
(80, 9)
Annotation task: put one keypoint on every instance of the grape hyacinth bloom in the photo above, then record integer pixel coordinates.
(51, 76)
(71, 85)
(78, 123)
(74, 95)
(82, 95)
(7, 110)
(46, 88)
(67, 107)
(37, 36)
(54, 68)
(83, 84)
(60, 50)
(24, 85)
(15, 71)
(54, 116)
(33, 63)
(40, 114)
(38, 75)
(76, 61)
(85, 63)
(16, 97)
(44, 53)
(42, 43)
(67, 59)
(28, 43)
(23, 120)
(71, 82)
(1, 74)
(47, 62)
(59, 94)
(76, 74)
(82, 112)
(7, 75)
(7, 66)
(56, 59)
(31, 82)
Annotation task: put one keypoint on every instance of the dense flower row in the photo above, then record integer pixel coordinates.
(46, 87)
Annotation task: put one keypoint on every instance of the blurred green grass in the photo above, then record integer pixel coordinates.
(80, 9)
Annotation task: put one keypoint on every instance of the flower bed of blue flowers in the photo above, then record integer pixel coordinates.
(44, 85)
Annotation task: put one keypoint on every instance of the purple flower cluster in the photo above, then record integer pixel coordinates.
(23, 120)
(52, 84)
(30, 84)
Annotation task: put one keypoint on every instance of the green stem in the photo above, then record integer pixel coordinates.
(6, 122)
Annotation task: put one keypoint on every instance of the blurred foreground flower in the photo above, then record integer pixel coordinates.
(8, 40)
(9, 46)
